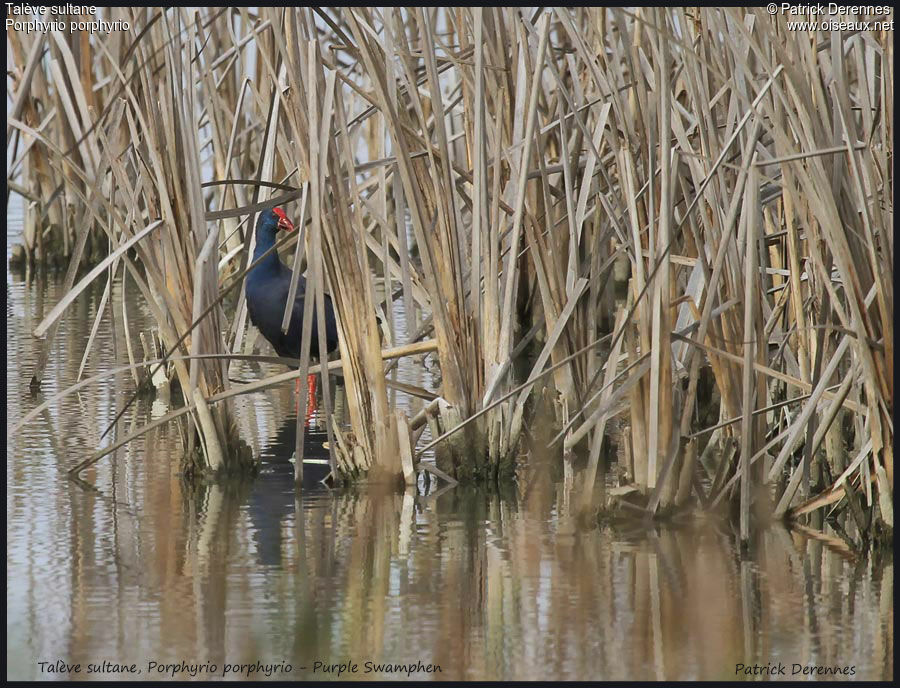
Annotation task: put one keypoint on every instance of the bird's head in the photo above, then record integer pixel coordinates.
(274, 220)
(283, 221)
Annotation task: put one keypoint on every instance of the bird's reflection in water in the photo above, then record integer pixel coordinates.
(272, 495)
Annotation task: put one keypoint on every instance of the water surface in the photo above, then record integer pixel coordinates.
(132, 567)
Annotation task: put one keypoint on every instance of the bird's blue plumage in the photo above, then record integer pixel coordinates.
(267, 289)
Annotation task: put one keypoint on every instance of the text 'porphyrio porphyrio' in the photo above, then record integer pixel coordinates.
(268, 287)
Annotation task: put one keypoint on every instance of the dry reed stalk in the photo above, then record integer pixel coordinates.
(750, 345)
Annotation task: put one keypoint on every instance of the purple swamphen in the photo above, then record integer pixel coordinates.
(267, 289)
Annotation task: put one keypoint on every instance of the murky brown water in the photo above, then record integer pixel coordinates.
(136, 571)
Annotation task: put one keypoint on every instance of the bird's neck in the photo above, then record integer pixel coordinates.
(265, 239)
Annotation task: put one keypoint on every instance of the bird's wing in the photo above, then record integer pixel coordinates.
(331, 336)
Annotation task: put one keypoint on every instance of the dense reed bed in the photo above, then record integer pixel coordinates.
(671, 223)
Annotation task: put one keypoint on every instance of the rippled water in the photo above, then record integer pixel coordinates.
(132, 568)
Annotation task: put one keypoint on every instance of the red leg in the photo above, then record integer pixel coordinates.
(311, 397)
